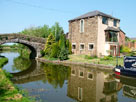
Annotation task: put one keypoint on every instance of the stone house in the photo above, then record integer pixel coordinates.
(94, 33)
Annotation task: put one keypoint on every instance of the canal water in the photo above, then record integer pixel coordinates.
(57, 83)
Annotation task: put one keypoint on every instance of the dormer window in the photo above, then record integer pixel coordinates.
(81, 26)
(104, 20)
(115, 22)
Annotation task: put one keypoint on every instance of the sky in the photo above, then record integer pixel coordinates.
(16, 15)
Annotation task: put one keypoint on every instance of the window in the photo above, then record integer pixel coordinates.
(90, 46)
(82, 46)
(73, 72)
(73, 46)
(90, 76)
(80, 91)
(111, 36)
(104, 20)
(115, 22)
(81, 26)
(81, 74)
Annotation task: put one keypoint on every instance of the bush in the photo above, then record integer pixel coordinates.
(133, 53)
(63, 54)
(42, 53)
(55, 51)
(124, 49)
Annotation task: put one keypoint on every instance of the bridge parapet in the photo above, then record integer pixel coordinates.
(22, 37)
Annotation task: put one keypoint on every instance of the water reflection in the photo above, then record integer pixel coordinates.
(89, 85)
(128, 89)
(21, 63)
(57, 83)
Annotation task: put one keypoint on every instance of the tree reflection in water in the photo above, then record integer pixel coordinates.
(56, 74)
(21, 63)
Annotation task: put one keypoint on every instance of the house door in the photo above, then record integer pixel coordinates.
(113, 50)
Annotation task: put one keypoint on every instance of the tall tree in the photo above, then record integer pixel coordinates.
(49, 43)
(57, 31)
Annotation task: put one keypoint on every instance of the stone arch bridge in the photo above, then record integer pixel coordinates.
(35, 44)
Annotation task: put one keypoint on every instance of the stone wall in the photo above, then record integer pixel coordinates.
(88, 36)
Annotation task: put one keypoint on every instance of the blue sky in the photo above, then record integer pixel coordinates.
(15, 15)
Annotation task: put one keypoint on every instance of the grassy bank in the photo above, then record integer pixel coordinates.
(110, 61)
(8, 92)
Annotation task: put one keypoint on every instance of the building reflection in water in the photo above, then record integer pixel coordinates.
(89, 85)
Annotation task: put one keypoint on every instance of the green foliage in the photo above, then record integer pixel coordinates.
(56, 74)
(63, 54)
(55, 50)
(107, 58)
(6, 38)
(57, 31)
(3, 61)
(62, 41)
(28, 39)
(8, 91)
(124, 49)
(21, 63)
(42, 53)
(90, 57)
(69, 46)
(37, 31)
(44, 31)
(49, 43)
(127, 39)
(132, 53)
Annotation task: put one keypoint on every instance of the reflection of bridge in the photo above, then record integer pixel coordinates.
(33, 73)
(35, 44)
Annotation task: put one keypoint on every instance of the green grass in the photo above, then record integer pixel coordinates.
(111, 61)
(8, 93)
(49, 58)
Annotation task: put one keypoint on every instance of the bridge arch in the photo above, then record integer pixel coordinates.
(35, 44)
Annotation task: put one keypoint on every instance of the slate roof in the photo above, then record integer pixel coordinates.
(92, 14)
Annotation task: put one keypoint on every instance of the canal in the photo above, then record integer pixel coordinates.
(56, 83)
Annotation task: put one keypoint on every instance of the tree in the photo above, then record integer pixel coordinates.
(62, 41)
(49, 43)
(68, 46)
(57, 31)
(55, 50)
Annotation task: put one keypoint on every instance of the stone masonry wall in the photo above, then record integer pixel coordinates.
(88, 36)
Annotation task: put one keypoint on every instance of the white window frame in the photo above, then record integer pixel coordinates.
(79, 74)
(81, 26)
(90, 44)
(80, 46)
(88, 77)
(72, 46)
(79, 88)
